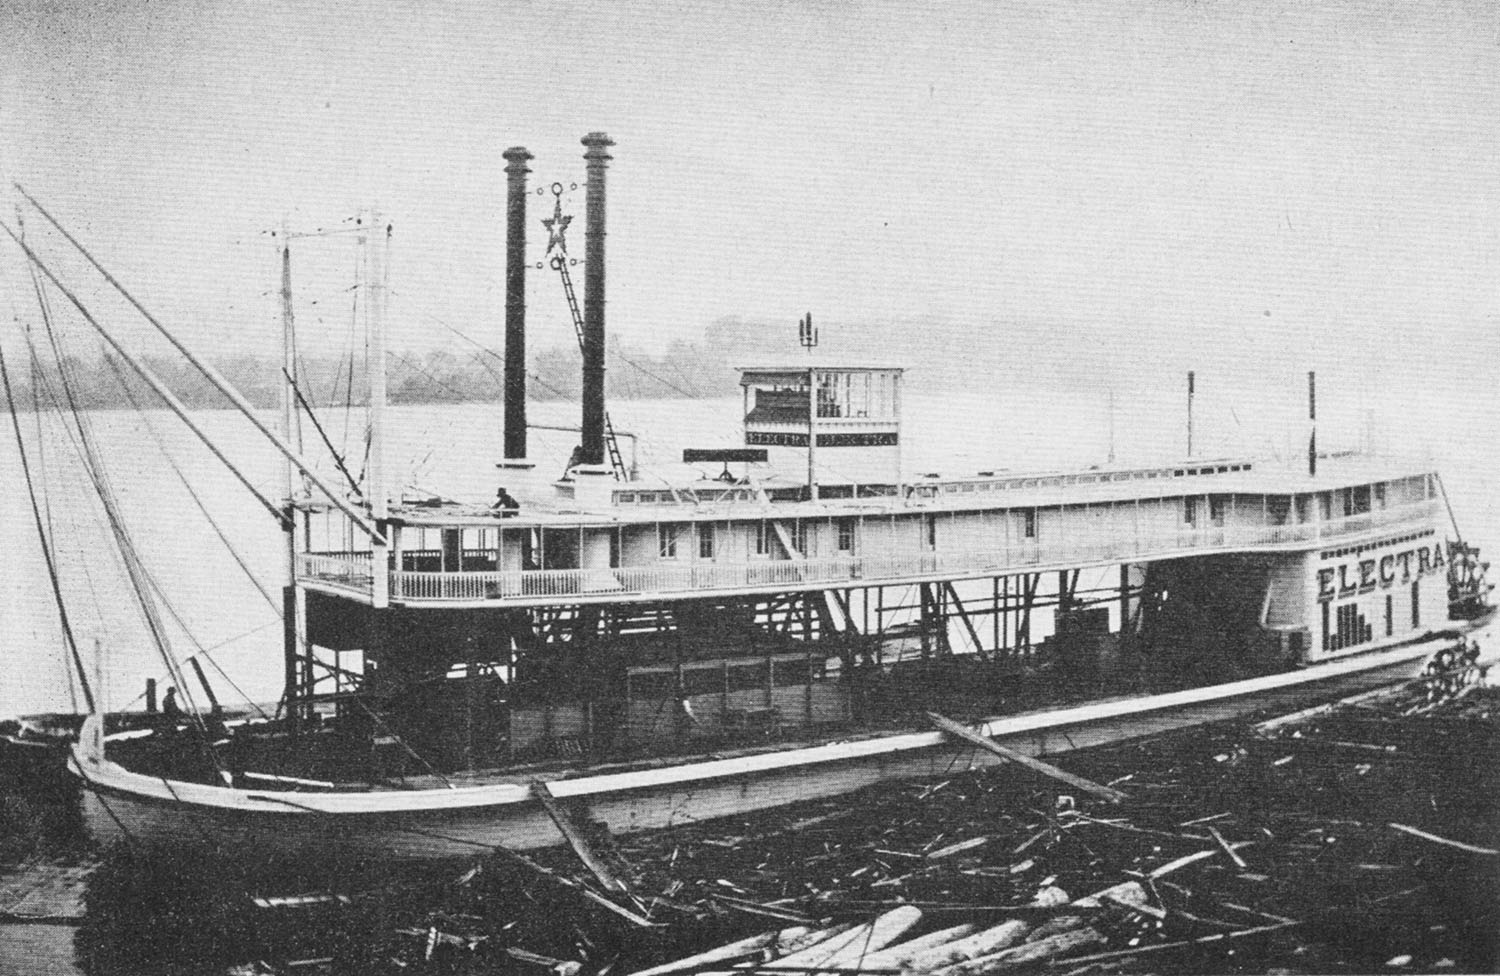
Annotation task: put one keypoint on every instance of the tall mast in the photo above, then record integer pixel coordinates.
(291, 606)
(378, 241)
(288, 359)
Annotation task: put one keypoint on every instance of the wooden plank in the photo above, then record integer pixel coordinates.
(575, 839)
(1036, 765)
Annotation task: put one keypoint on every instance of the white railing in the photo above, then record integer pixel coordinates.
(343, 570)
(352, 571)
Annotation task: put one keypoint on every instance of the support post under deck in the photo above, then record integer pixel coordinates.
(290, 653)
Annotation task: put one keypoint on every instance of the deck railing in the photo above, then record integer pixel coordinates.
(351, 571)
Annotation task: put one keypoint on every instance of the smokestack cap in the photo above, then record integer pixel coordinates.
(597, 143)
(517, 157)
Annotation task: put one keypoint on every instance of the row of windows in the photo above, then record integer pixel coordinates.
(669, 535)
(1058, 481)
(1356, 550)
(1356, 500)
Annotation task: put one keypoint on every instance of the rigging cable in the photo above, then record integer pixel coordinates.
(141, 370)
(89, 455)
(36, 413)
(208, 372)
(62, 610)
(45, 385)
(337, 459)
(198, 501)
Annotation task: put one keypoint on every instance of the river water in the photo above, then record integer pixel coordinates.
(451, 450)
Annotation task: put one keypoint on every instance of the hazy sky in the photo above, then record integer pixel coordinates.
(1316, 180)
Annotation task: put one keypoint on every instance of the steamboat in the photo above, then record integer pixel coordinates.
(653, 652)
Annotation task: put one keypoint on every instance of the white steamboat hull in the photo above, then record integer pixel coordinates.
(442, 823)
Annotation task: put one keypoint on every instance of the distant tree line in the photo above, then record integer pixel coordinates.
(939, 355)
(412, 377)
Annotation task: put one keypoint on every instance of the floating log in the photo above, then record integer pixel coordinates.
(1164, 946)
(1239, 862)
(1124, 893)
(775, 943)
(900, 956)
(963, 845)
(559, 967)
(1054, 945)
(575, 839)
(991, 940)
(1036, 765)
(842, 949)
(1180, 862)
(1471, 848)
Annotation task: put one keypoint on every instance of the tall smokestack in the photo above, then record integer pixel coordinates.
(515, 302)
(593, 300)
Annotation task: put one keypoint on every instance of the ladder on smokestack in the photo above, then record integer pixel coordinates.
(616, 461)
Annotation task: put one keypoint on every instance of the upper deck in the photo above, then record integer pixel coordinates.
(712, 536)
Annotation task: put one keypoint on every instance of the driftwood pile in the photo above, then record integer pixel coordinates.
(1359, 838)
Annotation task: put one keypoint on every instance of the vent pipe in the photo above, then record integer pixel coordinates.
(597, 158)
(1190, 414)
(515, 302)
(1312, 420)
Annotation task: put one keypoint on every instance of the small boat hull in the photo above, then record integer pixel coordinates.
(377, 827)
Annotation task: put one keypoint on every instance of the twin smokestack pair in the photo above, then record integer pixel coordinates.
(597, 157)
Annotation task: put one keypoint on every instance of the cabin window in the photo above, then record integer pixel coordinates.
(666, 537)
(705, 540)
(801, 538)
(762, 539)
(1216, 509)
(1416, 603)
(1190, 511)
(846, 535)
(1380, 495)
(1030, 527)
(931, 531)
(1359, 500)
(1302, 508)
(1278, 509)
(1325, 506)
